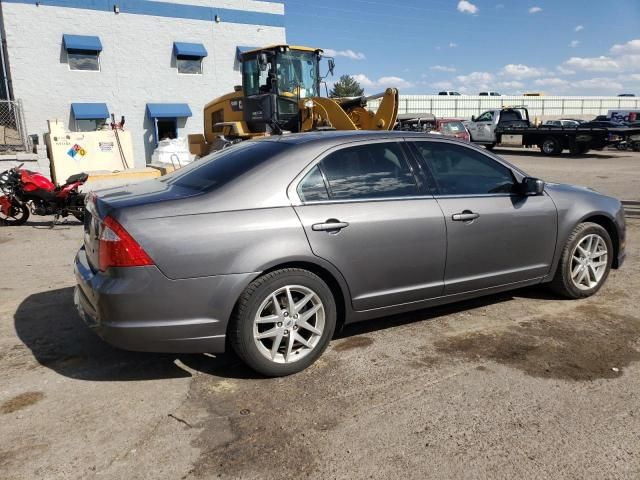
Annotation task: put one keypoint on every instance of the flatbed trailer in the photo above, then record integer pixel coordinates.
(511, 127)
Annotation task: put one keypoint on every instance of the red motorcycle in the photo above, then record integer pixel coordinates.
(23, 192)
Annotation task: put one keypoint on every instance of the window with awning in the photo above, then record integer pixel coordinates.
(189, 57)
(88, 117)
(83, 51)
(165, 117)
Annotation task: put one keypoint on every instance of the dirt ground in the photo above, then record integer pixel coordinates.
(516, 385)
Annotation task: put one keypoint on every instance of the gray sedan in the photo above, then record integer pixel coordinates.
(271, 245)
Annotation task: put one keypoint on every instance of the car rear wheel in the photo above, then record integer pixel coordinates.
(585, 262)
(283, 322)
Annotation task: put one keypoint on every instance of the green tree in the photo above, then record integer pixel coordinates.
(347, 86)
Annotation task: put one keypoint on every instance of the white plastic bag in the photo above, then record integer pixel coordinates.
(172, 152)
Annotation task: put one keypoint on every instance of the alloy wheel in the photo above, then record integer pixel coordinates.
(589, 262)
(289, 324)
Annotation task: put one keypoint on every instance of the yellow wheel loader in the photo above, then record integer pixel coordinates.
(280, 93)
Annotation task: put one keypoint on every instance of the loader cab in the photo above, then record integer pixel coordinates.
(274, 80)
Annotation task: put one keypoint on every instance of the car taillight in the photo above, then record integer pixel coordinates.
(118, 248)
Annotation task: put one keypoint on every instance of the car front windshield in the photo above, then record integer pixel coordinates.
(297, 74)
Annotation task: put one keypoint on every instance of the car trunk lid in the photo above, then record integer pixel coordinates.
(115, 202)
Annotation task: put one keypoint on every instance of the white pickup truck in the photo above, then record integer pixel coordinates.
(510, 126)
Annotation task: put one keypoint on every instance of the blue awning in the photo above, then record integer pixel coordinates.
(81, 42)
(240, 50)
(189, 49)
(84, 111)
(168, 110)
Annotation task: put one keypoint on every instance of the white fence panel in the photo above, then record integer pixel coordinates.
(465, 106)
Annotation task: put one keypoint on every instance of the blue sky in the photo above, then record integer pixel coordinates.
(512, 46)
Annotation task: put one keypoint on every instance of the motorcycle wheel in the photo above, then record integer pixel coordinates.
(18, 215)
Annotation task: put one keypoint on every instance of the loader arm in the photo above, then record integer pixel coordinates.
(351, 113)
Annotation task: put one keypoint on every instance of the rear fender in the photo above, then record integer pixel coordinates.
(68, 189)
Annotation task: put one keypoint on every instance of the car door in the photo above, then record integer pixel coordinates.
(481, 128)
(495, 235)
(364, 210)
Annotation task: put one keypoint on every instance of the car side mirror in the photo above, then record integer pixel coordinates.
(473, 118)
(532, 186)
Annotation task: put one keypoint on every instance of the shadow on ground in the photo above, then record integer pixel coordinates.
(47, 323)
(526, 152)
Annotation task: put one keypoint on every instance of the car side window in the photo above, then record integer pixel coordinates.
(312, 187)
(460, 170)
(485, 117)
(377, 170)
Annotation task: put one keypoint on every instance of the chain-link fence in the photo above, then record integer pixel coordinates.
(13, 132)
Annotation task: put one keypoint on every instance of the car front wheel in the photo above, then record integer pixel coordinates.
(585, 262)
(283, 322)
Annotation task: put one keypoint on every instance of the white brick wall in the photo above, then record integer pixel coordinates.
(136, 62)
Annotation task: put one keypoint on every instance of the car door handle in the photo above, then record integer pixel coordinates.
(331, 225)
(465, 216)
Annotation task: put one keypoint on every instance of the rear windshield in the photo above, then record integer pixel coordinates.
(219, 168)
(510, 116)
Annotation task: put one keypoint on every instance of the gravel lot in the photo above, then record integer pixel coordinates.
(516, 385)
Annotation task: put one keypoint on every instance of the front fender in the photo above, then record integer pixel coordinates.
(5, 205)
(576, 205)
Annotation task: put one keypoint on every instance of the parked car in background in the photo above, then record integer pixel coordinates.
(489, 94)
(428, 123)
(627, 95)
(577, 120)
(448, 92)
(269, 245)
(602, 124)
(562, 123)
(452, 127)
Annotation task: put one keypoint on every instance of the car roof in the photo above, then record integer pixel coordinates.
(342, 136)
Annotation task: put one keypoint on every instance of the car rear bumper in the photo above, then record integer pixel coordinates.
(139, 308)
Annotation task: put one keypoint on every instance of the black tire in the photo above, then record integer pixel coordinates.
(551, 146)
(562, 282)
(635, 146)
(77, 206)
(578, 148)
(490, 146)
(574, 149)
(19, 215)
(241, 328)
(583, 148)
